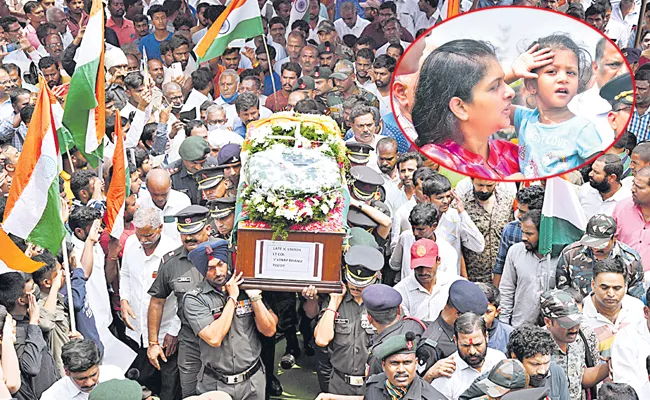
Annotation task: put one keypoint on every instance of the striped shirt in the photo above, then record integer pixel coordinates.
(639, 125)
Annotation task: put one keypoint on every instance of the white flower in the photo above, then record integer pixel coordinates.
(261, 208)
(324, 208)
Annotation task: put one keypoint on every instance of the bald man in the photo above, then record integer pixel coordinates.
(163, 198)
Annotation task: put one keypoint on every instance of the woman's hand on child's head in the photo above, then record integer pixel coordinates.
(531, 60)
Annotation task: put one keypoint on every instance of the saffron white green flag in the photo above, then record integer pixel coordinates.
(240, 20)
(563, 219)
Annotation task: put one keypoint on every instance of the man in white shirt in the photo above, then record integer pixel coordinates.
(604, 189)
(350, 23)
(365, 122)
(166, 200)
(472, 358)
(626, 13)
(630, 351)
(143, 253)
(81, 361)
(426, 291)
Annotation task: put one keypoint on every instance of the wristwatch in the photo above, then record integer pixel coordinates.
(255, 298)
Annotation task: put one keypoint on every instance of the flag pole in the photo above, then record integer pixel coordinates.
(268, 57)
(66, 265)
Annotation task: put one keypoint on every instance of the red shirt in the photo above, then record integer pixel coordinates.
(281, 101)
(502, 161)
(126, 33)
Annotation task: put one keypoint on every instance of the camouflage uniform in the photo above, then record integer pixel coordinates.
(576, 263)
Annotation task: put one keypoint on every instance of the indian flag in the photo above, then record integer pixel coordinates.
(85, 113)
(299, 11)
(240, 20)
(563, 219)
(33, 210)
(119, 188)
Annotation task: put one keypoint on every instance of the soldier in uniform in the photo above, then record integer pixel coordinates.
(358, 153)
(328, 56)
(399, 379)
(345, 87)
(322, 86)
(229, 158)
(208, 180)
(222, 216)
(365, 211)
(576, 262)
(384, 313)
(194, 152)
(343, 325)
(177, 275)
(227, 323)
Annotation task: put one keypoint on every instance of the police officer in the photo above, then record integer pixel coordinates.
(194, 153)
(177, 275)
(208, 180)
(230, 159)
(227, 323)
(384, 313)
(365, 211)
(343, 324)
(399, 379)
(358, 153)
(222, 216)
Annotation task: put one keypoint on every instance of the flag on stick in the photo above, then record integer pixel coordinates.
(563, 220)
(118, 189)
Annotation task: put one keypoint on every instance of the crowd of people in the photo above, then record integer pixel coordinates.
(445, 292)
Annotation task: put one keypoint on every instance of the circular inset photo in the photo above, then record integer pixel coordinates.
(513, 93)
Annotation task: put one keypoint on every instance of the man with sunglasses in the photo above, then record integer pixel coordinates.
(576, 262)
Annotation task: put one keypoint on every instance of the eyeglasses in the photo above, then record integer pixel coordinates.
(54, 45)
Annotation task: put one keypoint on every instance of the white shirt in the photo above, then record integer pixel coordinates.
(64, 388)
(408, 14)
(19, 57)
(459, 229)
(425, 22)
(6, 110)
(137, 275)
(400, 260)
(630, 349)
(342, 29)
(401, 221)
(418, 302)
(592, 203)
(631, 313)
(96, 287)
(176, 202)
(222, 137)
(382, 49)
(280, 53)
(464, 375)
(618, 32)
(591, 106)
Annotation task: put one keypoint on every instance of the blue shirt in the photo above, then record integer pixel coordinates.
(83, 314)
(546, 150)
(511, 235)
(499, 335)
(152, 46)
(239, 129)
(268, 84)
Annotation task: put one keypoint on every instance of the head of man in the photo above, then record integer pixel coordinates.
(641, 187)
(327, 57)
(642, 83)
(395, 51)
(600, 236)
(81, 361)
(192, 224)
(34, 12)
(289, 76)
(308, 59)
(54, 46)
(180, 46)
(425, 260)
(363, 263)
(141, 25)
(387, 10)
(158, 16)
(608, 63)
(15, 288)
(294, 98)
(159, 185)
(609, 285)
(247, 106)
(365, 121)
(483, 189)
(47, 4)
(494, 302)
(223, 213)
(387, 155)
(116, 7)
(78, 160)
(348, 14)
(135, 87)
(282, 9)
(606, 172)
(392, 30)
(19, 99)
(174, 95)
(148, 228)
(230, 158)
(561, 316)
(397, 355)
(327, 32)
(640, 157)
(82, 184)
(251, 84)
(363, 62)
(471, 338)
(595, 16)
(436, 190)
(58, 17)
(530, 223)
(263, 58)
(81, 220)
(295, 43)
(407, 164)
(231, 58)
(529, 198)
(277, 29)
(49, 66)
(156, 71)
(228, 83)
(344, 76)
(533, 346)
(322, 81)
(383, 68)
(211, 259)
(464, 297)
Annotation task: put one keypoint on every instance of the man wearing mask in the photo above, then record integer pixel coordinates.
(533, 346)
(490, 208)
(177, 276)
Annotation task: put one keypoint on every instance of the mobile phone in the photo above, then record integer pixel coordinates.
(156, 99)
(177, 69)
(8, 48)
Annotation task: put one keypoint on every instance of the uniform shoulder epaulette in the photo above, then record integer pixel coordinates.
(169, 256)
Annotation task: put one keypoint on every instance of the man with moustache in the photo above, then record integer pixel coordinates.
(229, 159)
(641, 116)
(176, 275)
(604, 190)
(526, 274)
(228, 324)
(290, 72)
(473, 356)
(576, 262)
(363, 60)
(156, 71)
(141, 261)
(383, 68)
(640, 157)
(576, 350)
